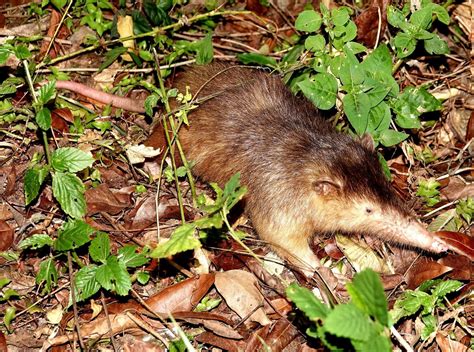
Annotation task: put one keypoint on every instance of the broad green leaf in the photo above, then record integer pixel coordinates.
(130, 257)
(356, 108)
(376, 343)
(21, 52)
(346, 320)
(430, 326)
(111, 56)
(352, 76)
(85, 283)
(259, 59)
(47, 274)
(143, 277)
(355, 48)
(389, 138)
(68, 189)
(46, 92)
(307, 302)
(395, 17)
(410, 303)
(59, 4)
(70, 159)
(308, 21)
(378, 60)
(204, 50)
(436, 45)
(315, 43)
(379, 118)
(43, 118)
(367, 294)
(411, 103)
(114, 276)
(4, 281)
(350, 32)
(340, 16)
(73, 234)
(422, 18)
(182, 239)
(36, 242)
(441, 13)
(445, 287)
(233, 192)
(322, 90)
(404, 45)
(151, 102)
(34, 178)
(157, 11)
(99, 248)
(5, 51)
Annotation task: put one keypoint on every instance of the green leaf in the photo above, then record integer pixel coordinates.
(404, 45)
(34, 178)
(410, 303)
(36, 242)
(376, 343)
(322, 90)
(143, 277)
(389, 138)
(46, 92)
(182, 239)
(204, 50)
(157, 11)
(340, 16)
(129, 256)
(259, 59)
(4, 281)
(379, 118)
(114, 276)
(111, 56)
(7, 294)
(85, 283)
(436, 45)
(356, 108)
(411, 103)
(47, 274)
(70, 159)
(21, 52)
(73, 234)
(307, 302)
(233, 192)
(5, 51)
(445, 287)
(99, 248)
(9, 315)
(315, 43)
(43, 118)
(308, 21)
(378, 60)
(351, 75)
(68, 189)
(59, 4)
(441, 221)
(441, 13)
(151, 102)
(395, 17)
(346, 320)
(422, 18)
(367, 294)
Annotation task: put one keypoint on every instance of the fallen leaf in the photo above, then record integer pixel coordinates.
(239, 290)
(423, 270)
(7, 180)
(463, 268)
(458, 242)
(447, 344)
(225, 344)
(101, 198)
(368, 22)
(6, 236)
(138, 153)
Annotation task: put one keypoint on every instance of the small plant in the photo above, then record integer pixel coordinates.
(428, 191)
(363, 322)
(425, 301)
(455, 219)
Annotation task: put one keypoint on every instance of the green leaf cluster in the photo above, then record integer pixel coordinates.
(108, 271)
(68, 189)
(424, 301)
(92, 14)
(363, 322)
(416, 27)
(184, 239)
(428, 191)
(455, 219)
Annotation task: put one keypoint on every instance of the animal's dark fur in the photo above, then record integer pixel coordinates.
(302, 176)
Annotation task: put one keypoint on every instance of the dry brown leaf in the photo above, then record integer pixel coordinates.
(223, 343)
(281, 334)
(101, 199)
(239, 290)
(446, 344)
(7, 180)
(458, 242)
(368, 22)
(463, 268)
(423, 270)
(6, 236)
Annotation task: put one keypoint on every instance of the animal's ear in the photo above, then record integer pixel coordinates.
(326, 187)
(367, 141)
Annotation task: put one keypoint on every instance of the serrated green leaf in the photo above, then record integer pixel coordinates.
(130, 257)
(47, 274)
(70, 159)
(259, 59)
(114, 276)
(182, 239)
(99, 248)
(43, 118)
(367, 294)
(321, 91)
(445, 287)
(308, 21)
(21, 52)
(73, 234)
(36, 242)
(410, 303)
(46, 92)
(143, 277)
(34, 178)
(307, 302)
(436, 45)
(356, 108)
(69, 190)
(346, 320)
(85, 283)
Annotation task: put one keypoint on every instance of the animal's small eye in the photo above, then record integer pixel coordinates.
(368, 210)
